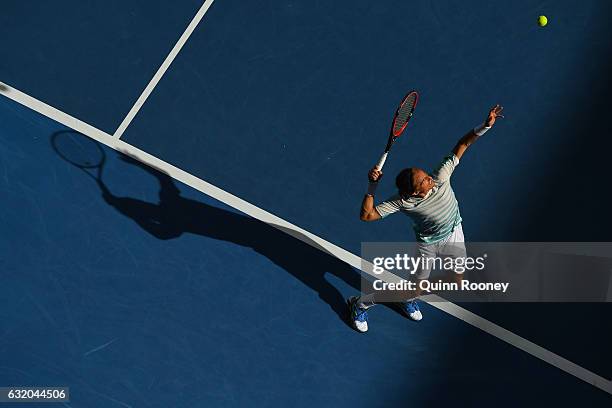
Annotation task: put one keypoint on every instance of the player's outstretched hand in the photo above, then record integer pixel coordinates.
(374, 175)
(494, 113)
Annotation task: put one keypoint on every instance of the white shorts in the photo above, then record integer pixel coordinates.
(452, 246)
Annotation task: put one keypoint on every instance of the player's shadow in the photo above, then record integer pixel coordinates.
(174, 215)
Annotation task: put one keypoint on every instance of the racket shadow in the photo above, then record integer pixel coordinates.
(174, 215)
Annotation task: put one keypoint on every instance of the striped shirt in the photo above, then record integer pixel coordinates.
(436, 215)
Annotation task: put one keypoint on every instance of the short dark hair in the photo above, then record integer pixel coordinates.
(403, 182)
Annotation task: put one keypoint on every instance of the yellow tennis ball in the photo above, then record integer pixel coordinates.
(542, 21)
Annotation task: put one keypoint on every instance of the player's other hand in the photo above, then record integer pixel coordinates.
(374, 175)
(494, 113)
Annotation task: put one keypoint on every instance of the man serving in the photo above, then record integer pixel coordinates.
(430, 202)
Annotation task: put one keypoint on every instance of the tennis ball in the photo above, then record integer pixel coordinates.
(542, 21)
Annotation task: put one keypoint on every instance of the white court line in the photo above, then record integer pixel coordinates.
(162, 69)
(303, 235)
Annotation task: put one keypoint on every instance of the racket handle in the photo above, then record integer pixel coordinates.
(382, 160)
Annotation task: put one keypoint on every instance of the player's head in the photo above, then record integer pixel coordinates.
(413, 182)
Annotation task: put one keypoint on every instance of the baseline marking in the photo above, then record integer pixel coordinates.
(162, 69)
(303, 235)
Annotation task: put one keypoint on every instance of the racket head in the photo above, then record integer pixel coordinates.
(78, 149)
(404, 113)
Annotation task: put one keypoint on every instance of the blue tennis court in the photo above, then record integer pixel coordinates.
(210, 265)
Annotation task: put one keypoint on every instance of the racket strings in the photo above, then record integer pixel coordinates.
(404, 113)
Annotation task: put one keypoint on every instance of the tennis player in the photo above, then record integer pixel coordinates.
(430, 202)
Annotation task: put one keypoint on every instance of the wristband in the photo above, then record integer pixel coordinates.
(481, 129)
(372, 188)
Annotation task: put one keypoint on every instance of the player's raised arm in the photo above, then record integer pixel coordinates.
(478, 131)
(368, 212)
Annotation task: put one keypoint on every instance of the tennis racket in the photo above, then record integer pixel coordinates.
(80, 151)
(400, 122)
